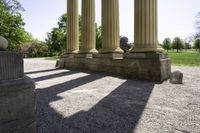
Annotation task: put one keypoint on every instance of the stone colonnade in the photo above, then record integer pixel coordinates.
(144, 61)
(145, 34)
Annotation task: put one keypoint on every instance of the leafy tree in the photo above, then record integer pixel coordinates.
(124, 44)
(197, 44)
(56, 39)
(11, 23)
(167, 44)
(177, 44)
(35, 48)
(197, 26)
(98, 37)
(13, 6)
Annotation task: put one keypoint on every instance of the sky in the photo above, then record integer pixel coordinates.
(175, 17)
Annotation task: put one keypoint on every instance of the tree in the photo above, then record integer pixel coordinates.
(124, 44)
(197, 26)
(197, 44)
(13, 6)
(98, 37)
(167, 44)
(35, 48)
(11, 23)
(177, 44)
(56, 39)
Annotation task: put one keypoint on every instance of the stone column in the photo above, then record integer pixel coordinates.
(72, 27)
(88, 27)
(110, 27)
(146, 34)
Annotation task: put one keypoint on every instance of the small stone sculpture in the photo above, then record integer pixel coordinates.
(176, 77)
(3, 43)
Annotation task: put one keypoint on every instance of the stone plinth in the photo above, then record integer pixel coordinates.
(11, 65)
(17, 96)
(149, 66)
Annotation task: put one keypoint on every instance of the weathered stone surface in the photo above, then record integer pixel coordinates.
(17, 106)
(109, 55)
(3, 43)
(176, 77)
(148, 66)
(11, 65)
(82, 55)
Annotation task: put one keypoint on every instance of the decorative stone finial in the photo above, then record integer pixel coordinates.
(3, 43)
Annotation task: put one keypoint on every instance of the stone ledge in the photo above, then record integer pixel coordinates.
(149, 66)
(17, 106)
(11, 65)
(145, 55)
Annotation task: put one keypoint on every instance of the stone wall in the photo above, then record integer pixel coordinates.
(17, 96)
(148, 66)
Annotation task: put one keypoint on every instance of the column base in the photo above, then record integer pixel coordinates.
(72, 52)
(147, 50)
(90, 51)
(117, 50)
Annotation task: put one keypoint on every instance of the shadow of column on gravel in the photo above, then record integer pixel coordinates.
(119, 112)
(47, 119)
(41, 71)
(52, 76)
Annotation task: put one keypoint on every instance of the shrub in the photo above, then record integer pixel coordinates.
(35, 49)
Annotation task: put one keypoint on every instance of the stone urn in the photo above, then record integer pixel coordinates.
(3, 43)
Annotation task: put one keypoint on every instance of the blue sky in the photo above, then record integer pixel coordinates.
(175, 17)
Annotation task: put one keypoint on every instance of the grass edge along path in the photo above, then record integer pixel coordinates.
(182, 58)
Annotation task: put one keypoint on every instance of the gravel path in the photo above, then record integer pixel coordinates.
(77, 102)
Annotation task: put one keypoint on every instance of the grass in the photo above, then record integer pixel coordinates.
(52, 58)
(185, 58)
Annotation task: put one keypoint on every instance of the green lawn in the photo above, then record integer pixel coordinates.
(185, 58)
(52, 58)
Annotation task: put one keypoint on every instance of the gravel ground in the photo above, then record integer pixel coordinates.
(77, 102)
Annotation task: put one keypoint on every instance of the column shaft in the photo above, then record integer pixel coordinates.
(145, 27)
(110, 27)
(72, 26)
(88, 27)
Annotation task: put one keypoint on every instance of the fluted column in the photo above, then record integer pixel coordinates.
(146, 32)
(72, 26)
(110, 27)
(88, 27)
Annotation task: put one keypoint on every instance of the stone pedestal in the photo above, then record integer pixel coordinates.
(148, 66)
(17, 96)
(11, 66)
